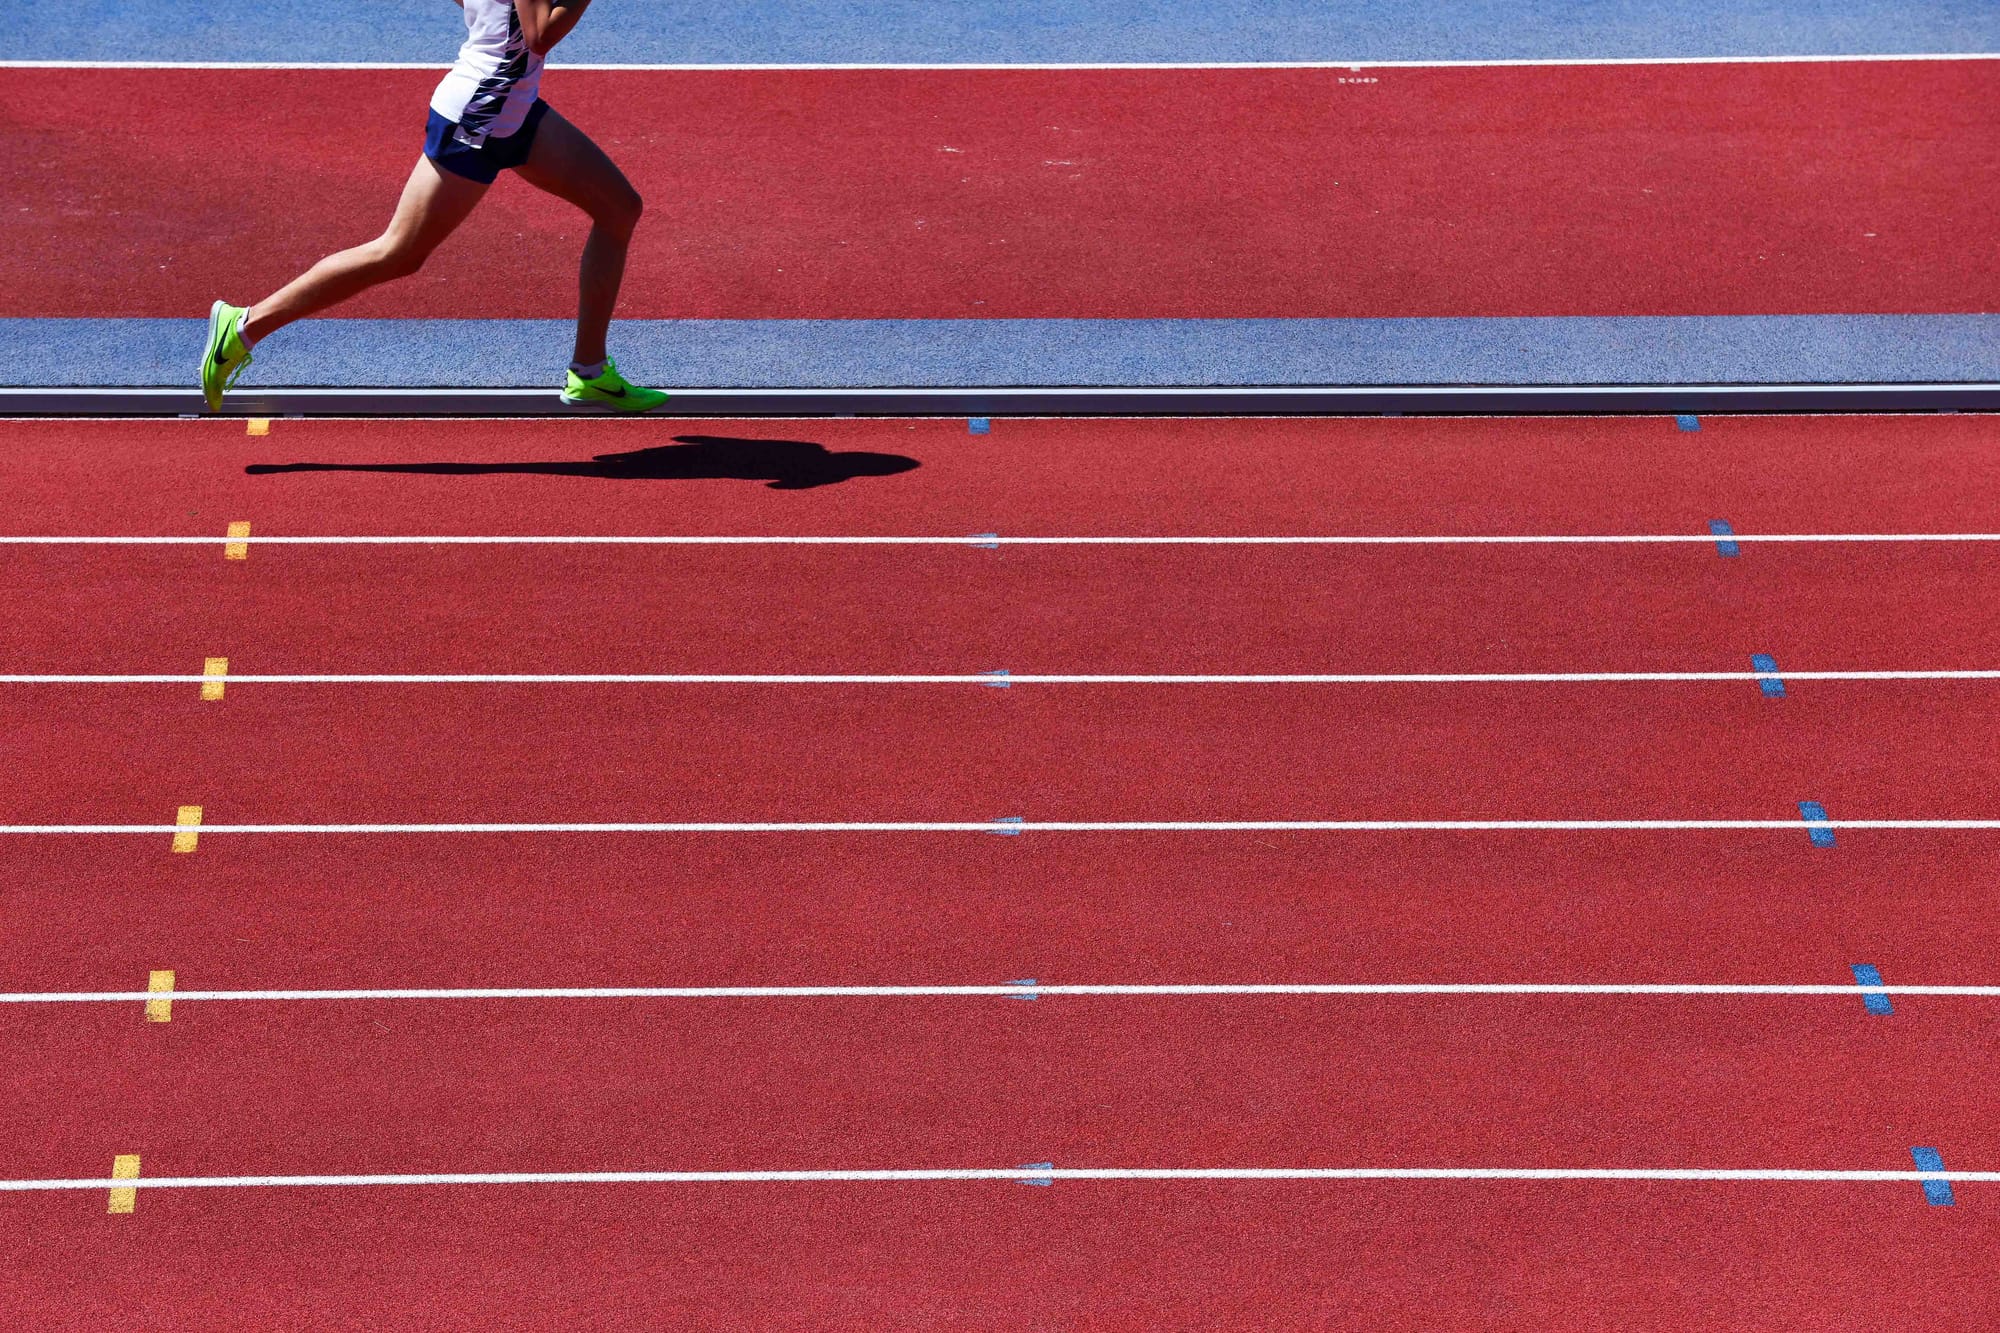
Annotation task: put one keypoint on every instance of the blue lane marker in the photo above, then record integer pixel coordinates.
(1767, 666)
(997, 679)
(978, 426)
(986, 541)
(1815, 816)
(1721, 528)
(1937, 1193)
(1027, 993)
(1050, 1180)
(1688, 423)
(1866, 975)
(1007, 827)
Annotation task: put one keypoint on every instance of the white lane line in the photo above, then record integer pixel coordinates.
(1794, 825)
(1553, 62)
(989, 540)
(1024, 678)
(1847, 991)
(1011, 1173)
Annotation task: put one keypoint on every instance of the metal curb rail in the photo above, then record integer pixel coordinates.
(1301, 400)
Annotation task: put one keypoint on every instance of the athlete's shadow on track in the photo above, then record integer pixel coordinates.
(788, 465)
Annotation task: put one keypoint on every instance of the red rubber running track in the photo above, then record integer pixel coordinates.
(1757, 1082)
(1733, 189)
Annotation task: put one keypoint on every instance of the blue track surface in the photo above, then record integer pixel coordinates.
(1009, 31)
(928, 353)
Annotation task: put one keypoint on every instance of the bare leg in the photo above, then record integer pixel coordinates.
(567, 164)
(434, 202)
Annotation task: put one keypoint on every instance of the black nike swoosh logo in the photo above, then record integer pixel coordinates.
(612, 393)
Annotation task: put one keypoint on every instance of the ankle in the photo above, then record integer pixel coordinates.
(244, 332)
(587, 370)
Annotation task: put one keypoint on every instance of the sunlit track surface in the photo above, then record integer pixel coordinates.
(1550, 878)
(1686, 198)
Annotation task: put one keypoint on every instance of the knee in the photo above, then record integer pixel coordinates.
(395, 258)
(622, 211)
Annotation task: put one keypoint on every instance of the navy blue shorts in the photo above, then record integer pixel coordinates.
(484, 163)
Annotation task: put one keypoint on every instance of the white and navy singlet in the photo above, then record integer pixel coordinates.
(489, 91)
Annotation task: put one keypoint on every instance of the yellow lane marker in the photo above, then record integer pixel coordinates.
(259, 426)
(237, 548)
(125, 1166)
(216, 668)
(160, 1011)
(188, 820)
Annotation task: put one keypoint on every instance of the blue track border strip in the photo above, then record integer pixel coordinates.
(1010, 353)
(1026, 31)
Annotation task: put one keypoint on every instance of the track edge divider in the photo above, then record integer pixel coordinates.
(1230, 401)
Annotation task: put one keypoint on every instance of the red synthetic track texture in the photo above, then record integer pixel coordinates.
(1156, 476)
(461, 1086)
(1633, 190)
(555, 910)
(1050, 610)
(1184, 1082)
(1121, 1258)
(1041, 609)
(611, 754)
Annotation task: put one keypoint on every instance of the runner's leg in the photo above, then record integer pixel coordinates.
(434, 202)
(564, 162)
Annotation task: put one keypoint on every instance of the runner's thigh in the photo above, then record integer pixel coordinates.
(434, 202)
(564, 162)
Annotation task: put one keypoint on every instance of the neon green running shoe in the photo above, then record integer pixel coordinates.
(225, 357)
(610, 390)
